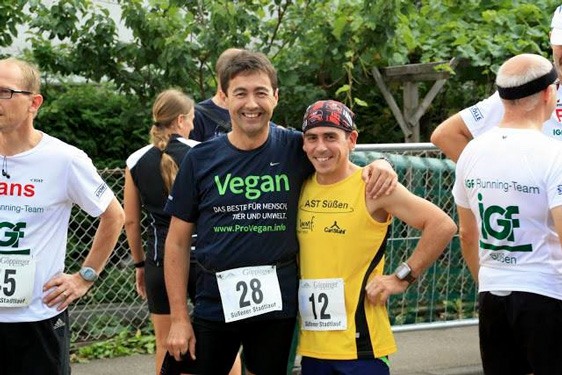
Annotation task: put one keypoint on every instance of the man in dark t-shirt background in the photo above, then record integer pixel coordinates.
(211, 115)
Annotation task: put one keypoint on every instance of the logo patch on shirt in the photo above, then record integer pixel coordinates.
(11, 233)
(475, 111)
(306, 225)
(499, 228)
(559, 188)
(335, 228)
(101, 189)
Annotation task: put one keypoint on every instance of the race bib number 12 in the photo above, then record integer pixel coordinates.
(17, 275)
(322, 305)
(249, 291)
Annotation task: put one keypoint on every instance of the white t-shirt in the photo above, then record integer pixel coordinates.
(510, 179)
(35, 207)
(488, 113)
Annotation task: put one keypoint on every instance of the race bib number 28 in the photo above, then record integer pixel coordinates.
(249, 291)
(17, 275)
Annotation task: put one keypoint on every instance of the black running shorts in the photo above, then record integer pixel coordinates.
(36, 348)
(156, 294)
(266, 345)
(520, 334)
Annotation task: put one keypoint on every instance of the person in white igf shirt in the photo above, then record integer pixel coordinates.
(42, 177)
(508, 192)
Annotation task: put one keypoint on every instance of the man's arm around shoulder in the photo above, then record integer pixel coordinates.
(380, 177)
(437, 231)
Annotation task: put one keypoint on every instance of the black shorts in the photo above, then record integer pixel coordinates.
(266, 345)
(316, 366)
(520, 334)
(156, 294)
(36, 348)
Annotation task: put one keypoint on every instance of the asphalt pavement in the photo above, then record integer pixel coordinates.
(431, 350)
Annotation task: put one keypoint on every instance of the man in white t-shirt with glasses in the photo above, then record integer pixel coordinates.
(42, 178)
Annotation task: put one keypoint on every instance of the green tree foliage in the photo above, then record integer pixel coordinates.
(96, 119)
(11, 15)
(483, 31)
(321, 48)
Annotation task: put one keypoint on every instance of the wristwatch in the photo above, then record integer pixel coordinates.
(404, 272)
(88, 274)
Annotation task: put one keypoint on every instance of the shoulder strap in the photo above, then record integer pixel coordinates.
(225, 125)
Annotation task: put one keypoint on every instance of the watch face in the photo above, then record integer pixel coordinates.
(402, 271)
(88, 274)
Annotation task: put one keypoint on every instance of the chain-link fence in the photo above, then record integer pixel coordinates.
(445, 292)
(112, 305)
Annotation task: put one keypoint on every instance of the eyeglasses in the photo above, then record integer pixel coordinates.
(8, 93)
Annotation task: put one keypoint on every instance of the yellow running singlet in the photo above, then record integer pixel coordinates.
(339, 239)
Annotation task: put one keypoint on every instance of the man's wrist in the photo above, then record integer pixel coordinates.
(404, 273)
(180, 318)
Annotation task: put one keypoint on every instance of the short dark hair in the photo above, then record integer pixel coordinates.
(247, 62)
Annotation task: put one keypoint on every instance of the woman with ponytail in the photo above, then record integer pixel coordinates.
(149, 177)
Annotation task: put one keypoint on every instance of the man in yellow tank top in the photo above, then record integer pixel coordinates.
(342, 236)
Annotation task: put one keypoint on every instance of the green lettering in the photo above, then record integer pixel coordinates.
(506, 221)
(222, 188)
(251, 183)
(504, 224)
(237, 185)
(12, 236)
(267, 184)
(252, 186)
(278, 179)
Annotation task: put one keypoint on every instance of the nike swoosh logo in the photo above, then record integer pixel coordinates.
(273, 164)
